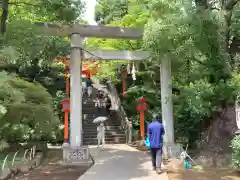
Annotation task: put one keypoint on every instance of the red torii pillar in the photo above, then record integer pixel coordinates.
(142, 107)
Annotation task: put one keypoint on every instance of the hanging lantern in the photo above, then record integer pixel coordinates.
(128, 69)
(133, 73)
(124, 76)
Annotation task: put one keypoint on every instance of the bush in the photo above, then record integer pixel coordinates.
(29, 112)
(235, 144)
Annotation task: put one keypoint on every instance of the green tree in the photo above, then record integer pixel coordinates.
(201, 41)
(43, 10)
(29, 113)
(108, 10)
(30, 86)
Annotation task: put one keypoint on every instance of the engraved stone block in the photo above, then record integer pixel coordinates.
(78, 154)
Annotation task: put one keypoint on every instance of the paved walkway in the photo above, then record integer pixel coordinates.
(121, 162)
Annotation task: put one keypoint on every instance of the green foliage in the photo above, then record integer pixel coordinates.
(108, 10)
(29, 46)
(29, 112)
(46, 10)
(235, 144)
(205, 71)
(30, 108)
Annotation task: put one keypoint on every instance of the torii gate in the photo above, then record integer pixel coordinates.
(77, 34)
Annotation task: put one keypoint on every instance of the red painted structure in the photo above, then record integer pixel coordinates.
(142, 107)
(89, 68)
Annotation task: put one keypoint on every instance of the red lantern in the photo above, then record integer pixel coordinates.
(65, 105)
(67, 70)
(142, 105)
(142, 100)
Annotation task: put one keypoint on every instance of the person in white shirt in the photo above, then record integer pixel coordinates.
(84, 87)
(101, 135)
(89, 85)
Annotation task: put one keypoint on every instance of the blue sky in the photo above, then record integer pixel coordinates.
(89, 13)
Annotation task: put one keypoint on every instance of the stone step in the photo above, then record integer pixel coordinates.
(92, 128)
(88, 105)
(118, 131)
(89, 127)
(108, 136)
(95, 115)
(107, 133)
(107, 141)
(113, 133)
(94, 131)
(93, 109)
(107, 126)
(90, 123)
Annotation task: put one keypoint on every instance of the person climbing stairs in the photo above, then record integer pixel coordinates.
(113, 134)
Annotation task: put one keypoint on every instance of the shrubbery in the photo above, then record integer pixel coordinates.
(29, 110)
(235, 144)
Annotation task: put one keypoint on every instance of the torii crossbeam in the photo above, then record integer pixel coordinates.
(54, 29)
(77, 33)
(91, 54)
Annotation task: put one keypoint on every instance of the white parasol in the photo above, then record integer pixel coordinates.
(100, 119)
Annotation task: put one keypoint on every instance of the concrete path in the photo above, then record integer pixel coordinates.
(121, 162)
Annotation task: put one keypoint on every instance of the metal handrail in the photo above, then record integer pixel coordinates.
(117, 105)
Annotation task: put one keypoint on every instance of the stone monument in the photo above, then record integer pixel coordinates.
(76, 155)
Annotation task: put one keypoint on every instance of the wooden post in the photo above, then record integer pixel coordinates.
(141, 107)
(124, 84)
(67, 86)
(142, 128)
(66, 126)
(66, 109)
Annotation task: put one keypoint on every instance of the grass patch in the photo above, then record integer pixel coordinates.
(18, 159)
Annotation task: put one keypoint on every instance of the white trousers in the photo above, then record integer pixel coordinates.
(89, 91)
(83, 88)
(101, 140)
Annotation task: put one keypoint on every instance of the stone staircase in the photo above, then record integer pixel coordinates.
(113, 134)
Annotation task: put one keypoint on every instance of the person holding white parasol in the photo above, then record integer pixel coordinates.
(100, 130)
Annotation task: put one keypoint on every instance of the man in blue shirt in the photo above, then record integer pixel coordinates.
(155, 134)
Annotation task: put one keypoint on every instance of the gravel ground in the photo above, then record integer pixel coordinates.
(177, 172)
(52, 170)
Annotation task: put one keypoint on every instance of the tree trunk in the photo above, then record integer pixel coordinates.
(227, 9)
(4, 16)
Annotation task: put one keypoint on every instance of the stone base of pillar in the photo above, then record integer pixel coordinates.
(76, 156)
(172, 151)
(237, 132)
(64, 147)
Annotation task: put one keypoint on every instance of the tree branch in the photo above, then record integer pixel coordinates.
(230, 4)
(19, 3)
(198, 61)
(215, 8)
(4, 16)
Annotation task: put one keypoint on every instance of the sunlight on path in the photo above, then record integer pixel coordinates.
(121, 162)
